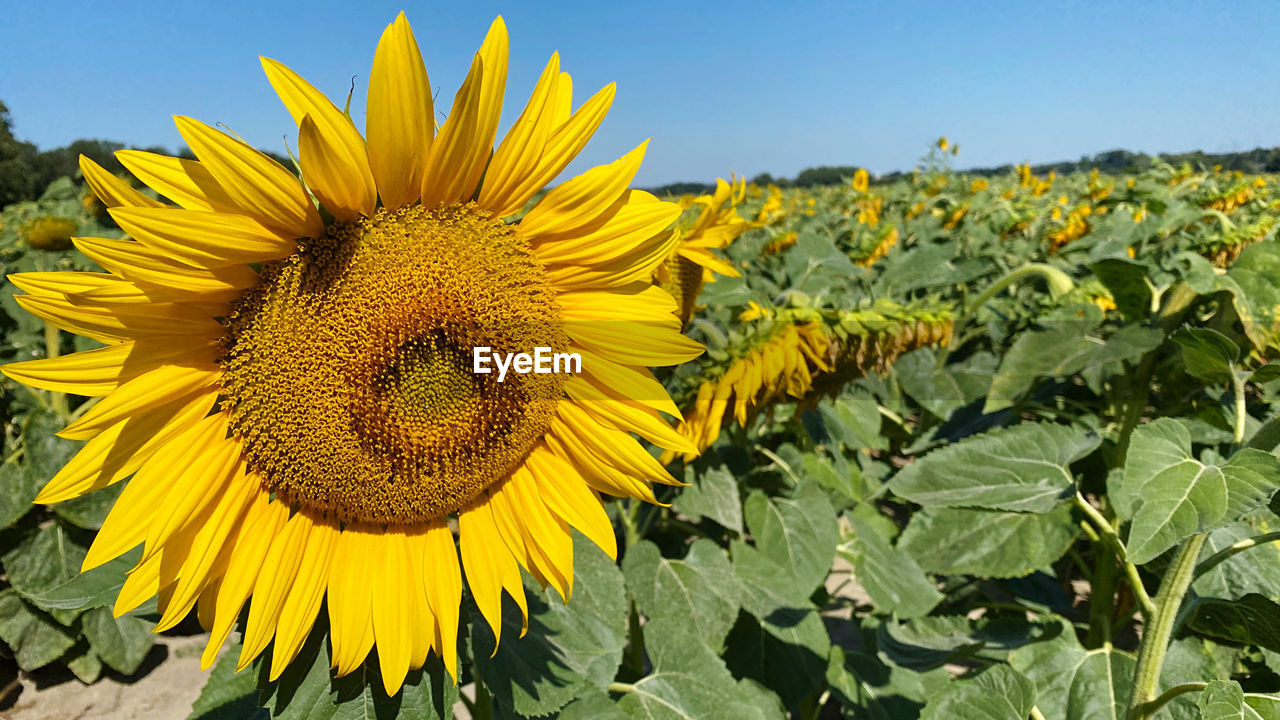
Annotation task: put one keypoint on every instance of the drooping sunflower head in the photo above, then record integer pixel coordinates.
(293, 376)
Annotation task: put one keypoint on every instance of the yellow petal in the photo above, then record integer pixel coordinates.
(164, 277)
(213, 460)
(486, 561)
(298, 613)
(613, 446)
(97, 372)
(626, 416)
(636, 265)
(577, 202)
(182, 180)
(454, 150)
(566, 494)
(208, 543)
(260, 187)
(626, 382)
(399, 121)
(111, 190)
(261, 525)
(546, 536)
(343, 168)
(143, 582)
(426, 628)
(442, 580)
(350, 609)
(493, 56)
(566, 141)
(113, 324)
(275, 576)
(633, 220)
(142, 395)
(638, 302)
(599, 474)
(518, 155)
(391, 614)
(649, 343)
(121, 449)
(203, 239)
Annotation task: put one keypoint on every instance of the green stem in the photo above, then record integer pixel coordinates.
(484, 702)
(52, 348)
(1108, 533)
(1222, 555)
(1059, 283)
(1267, 437)
(1159, 627)
(635, 642)
(630, 526)
(1150, 708)
(1237, 386)
(1036, 714)
(620, 687)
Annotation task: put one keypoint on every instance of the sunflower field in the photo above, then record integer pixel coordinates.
(952, 446)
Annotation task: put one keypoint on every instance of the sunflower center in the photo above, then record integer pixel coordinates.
(349, 373)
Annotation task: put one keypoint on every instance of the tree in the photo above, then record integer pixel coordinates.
(18, 164)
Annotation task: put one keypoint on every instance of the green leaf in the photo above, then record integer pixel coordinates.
(1024, 468)
(854, 420)
(1224, 700)
(1256, 570)
(799, 534)
(690, 682)
(1129, 286)
(18, 488)
(999, 693)
(88, 511)
(1173, 495)
(307, 691)
(930, 642)
(942, 391)
(1251, 280)
(83, 663)
(1062, 352)
(595, 706)
(46, 571)
(227, 694)
(569, 649)
(1251, 620)
(1263, 707)
(1207, 354)
(1073, 683)
(786, 652)
(34, 637)
(869, 689)
(1192, 659)
(891, 577)
(699, 594)
(122, 642)
(714, 494)
(987, 543)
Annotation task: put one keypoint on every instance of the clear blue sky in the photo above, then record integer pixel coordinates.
(743, 86)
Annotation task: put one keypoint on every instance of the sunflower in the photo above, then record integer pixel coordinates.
(691, 263)
(289, 371)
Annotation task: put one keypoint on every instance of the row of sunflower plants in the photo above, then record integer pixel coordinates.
(967, 447)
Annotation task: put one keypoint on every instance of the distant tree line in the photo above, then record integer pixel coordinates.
(1114, 162)
(25, 170)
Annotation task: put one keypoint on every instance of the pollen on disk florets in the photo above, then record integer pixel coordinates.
(348, 372)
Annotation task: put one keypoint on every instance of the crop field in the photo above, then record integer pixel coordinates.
(418, 423)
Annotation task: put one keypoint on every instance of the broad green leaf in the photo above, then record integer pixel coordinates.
(88, 511)
(1251, 620)
(1174, 496)
(869, 689)
(569, 649)
(854, 420)
(987, 543)
(121, 642)
(891, 577)
(1073, 683)
(18, 488)
(942, 391)
(931, 642)
(1224, 700)
(1256, 570)
(595, 706)
(1263, 707)
(1192, 659)
(1024, 468)
(83, 663)
(227, 694)
(690, 682)
(999, 693)
(786, 652)
(1207, 354)
(46, 571)
(1251, 280)
(1061, 352)
(34, 637)
(1129, 286)
(699, 594)
(306, 690)
(714, 494)
(798, 533)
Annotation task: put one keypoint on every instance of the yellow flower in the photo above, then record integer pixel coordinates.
(979, 185)
(861, 180)
(690, 262)
(754, 311)
(294, 393)
(943, 144)
(49, 233)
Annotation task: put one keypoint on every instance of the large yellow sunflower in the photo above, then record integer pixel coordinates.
(288, 372)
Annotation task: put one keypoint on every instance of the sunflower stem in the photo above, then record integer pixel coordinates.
(484, 702)
(635, 642)
(53, 348)
(1159, 628)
